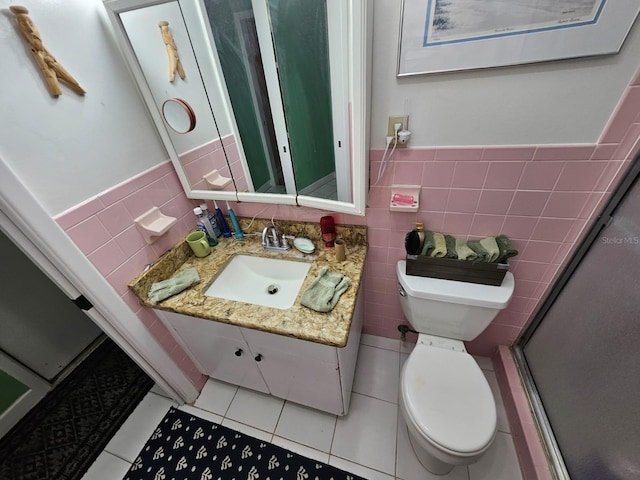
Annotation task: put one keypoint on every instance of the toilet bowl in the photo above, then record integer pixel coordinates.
(445, 399)
(447, 405)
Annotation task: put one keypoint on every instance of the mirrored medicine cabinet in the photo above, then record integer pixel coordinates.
(256, 100)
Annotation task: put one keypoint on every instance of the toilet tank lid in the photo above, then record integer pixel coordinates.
(475, 294)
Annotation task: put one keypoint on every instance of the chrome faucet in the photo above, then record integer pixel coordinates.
(270, 239)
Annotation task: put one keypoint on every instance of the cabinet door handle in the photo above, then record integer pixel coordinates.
(258, 357)
(239, 352)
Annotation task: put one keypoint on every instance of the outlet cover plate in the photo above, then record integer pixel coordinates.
(393, 119)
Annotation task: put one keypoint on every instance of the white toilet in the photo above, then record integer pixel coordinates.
(445, 399)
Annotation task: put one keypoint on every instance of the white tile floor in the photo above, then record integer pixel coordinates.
(370, 441)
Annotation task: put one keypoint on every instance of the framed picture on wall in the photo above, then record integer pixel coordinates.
(453, 35)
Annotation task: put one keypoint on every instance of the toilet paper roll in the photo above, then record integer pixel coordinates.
(341, 253)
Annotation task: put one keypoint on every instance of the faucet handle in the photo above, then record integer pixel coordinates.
(285, 244)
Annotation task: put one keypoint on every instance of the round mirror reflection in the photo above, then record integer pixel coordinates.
(179, 115)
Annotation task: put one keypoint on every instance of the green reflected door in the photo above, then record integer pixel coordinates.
(301, 45)
(11, 390)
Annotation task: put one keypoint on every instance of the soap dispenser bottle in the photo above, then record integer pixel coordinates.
(212, 219)
(203, 224)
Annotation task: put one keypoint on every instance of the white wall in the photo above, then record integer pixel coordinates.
(67, 149)
(545, 103)
(144, 36)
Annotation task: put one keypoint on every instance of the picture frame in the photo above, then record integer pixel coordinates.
(454, 35)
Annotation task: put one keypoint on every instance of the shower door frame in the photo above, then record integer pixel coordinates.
(605, 217)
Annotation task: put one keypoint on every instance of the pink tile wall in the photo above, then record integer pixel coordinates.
(103, 228)
(211, 156)
(542, 196)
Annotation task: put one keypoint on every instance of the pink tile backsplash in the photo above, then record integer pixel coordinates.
(540, 175)
(564, 152)
(108, 257)
(552, 229)
(508, 154)
(88, 235)
(580, 176)
(496, 202)
(103, 229)
(486, 225)
(565, 204)
(407, 173)
(463, 200)
(438, 174)
(115, 218)
(528, 203)
(469, 174)
(75, 215)
(504, 175)
(458, 154)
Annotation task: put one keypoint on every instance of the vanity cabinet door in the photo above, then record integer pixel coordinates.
(218, 348)
(300, 371)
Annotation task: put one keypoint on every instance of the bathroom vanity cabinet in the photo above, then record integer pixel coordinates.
(304, 372)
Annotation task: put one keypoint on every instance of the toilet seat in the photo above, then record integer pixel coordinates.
(448, 400)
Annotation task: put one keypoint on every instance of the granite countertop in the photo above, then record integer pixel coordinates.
(331, 328)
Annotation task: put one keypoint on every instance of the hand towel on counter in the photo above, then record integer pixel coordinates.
(429, 243)
(440, 248)
(480, 251)
(173, 285)
(325, 291)
(464, 252)
(507, 250)
(491, 246)
(450, 241)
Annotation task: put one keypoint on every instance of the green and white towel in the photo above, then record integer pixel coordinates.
(490, 245)
(325, 291)
(180, 281)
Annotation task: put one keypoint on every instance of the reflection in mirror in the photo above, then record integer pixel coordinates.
(198, 146)
(279, 88)
(278, 73)
(179, 115)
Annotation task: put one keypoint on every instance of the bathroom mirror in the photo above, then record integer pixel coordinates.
(279, 89)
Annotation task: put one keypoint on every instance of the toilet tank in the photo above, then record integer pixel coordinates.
(451, 309)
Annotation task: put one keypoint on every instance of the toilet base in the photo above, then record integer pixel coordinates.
(431, 463)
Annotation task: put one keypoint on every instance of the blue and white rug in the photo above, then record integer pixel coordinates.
(188, 447)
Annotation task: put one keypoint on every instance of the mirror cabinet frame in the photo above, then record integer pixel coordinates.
(358, 35)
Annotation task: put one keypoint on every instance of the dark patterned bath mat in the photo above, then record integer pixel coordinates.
(188, 447)
(62, 436)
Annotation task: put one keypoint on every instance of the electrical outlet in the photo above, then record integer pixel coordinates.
(393, 119)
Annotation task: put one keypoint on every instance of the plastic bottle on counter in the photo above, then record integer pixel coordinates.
(212, 219)
(203, 224)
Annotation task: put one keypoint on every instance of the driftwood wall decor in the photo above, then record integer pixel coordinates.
(174, 60)
(47, 63)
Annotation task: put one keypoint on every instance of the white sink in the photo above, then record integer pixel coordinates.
(270, 282)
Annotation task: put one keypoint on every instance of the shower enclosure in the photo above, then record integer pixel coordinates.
(580, 358)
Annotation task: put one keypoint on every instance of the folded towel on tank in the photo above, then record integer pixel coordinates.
(440, 248)
(507, 250)
(464, 252)
(480, 251)
(427, 246)
(491, 246)
(451, 246)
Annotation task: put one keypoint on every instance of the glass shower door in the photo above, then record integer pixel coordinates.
(584, 355)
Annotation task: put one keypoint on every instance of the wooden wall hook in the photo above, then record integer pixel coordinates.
(174, 60)
(47, 63)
